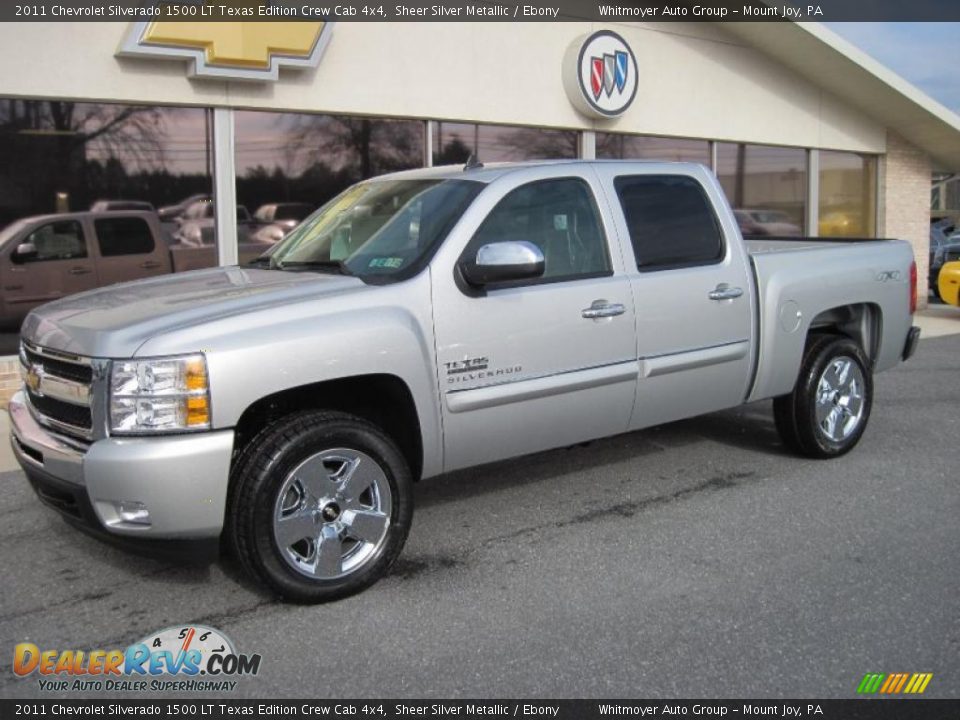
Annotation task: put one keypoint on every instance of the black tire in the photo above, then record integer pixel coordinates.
(795, 414)
(262, 470)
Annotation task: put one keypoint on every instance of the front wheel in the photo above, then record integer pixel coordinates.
(827, 412)
(321, 506)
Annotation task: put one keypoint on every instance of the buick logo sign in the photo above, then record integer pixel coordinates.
(600, 74)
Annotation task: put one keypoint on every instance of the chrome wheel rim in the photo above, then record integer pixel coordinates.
(332, 514)
(841, 398)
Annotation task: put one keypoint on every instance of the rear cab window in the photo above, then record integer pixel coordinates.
(123, 236)
(671, 221)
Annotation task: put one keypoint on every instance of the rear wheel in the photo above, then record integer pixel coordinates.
(827, 412)
(321, 506)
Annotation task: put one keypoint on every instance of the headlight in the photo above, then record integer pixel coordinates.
(159, 395)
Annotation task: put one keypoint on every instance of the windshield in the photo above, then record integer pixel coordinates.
(385, 229)
(12, 229)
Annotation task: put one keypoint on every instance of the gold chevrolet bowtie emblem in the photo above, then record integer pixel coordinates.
(33, 378)
(231, 50)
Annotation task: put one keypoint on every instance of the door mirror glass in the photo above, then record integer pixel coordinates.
(503, 262)
(26, 252)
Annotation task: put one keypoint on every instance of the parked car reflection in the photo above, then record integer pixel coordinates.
(121, 205)
(772, 223)
(277, 219)
(171, 213)
(197, 227)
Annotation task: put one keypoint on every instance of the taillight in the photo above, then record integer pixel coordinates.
(913, 288)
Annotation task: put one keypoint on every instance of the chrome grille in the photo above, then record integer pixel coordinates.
(58, 387)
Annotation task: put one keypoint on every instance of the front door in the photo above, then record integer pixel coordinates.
(531, 365)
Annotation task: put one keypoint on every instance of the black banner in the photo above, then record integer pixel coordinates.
(481, 10)
(205, 708)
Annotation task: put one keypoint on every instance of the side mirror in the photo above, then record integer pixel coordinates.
(504, 261)
(25, 252)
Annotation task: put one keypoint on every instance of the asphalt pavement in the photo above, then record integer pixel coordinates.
(696, 559)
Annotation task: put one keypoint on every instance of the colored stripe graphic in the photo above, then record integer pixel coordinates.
(894, 683)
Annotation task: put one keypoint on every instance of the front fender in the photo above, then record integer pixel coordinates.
(381, 330)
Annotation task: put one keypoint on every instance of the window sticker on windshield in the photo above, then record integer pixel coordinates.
(559, 222)
(386, 262)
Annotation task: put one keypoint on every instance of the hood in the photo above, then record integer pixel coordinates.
(115, 321)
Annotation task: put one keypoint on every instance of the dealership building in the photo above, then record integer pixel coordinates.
(807, 134)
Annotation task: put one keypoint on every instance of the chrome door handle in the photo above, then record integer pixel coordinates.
(79, 271)
(150, 265)
(725, 292)
(602, 309)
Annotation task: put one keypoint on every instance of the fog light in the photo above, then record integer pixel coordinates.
(135, 513)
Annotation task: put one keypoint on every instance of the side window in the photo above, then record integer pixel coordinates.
(558, 216)
(671, 221)
(123, 236)
(57, 241)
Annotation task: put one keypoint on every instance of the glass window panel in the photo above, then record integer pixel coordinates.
(123, 236)
(848, 194)
(56, 241)
(558, 216)
(671, 221)
(61, 156)
(289, 164)
(767, 187)
(618, 146)
(454, 142)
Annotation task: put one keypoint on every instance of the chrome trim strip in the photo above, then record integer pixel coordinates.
(52, 385)
(56, 354)
(532, 388)
(691, 359)
(59, 388)
(53, 423)
(60, 457)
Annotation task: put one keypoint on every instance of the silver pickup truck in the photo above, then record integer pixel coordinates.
(432, 320)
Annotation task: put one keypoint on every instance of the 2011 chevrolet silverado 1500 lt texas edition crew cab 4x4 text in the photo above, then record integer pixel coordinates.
(432, 320)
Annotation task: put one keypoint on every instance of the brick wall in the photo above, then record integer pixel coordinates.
(9, 379)
(905, 202)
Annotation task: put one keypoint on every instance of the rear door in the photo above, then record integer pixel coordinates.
(62, 265)
(128, 249)
(693, 292)
(535, 364)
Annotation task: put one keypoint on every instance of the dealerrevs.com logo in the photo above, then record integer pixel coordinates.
(182, 658)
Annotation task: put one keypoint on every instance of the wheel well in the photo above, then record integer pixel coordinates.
(860, 322)
(384, 400)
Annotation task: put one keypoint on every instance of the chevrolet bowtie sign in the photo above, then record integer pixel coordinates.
(230, 50)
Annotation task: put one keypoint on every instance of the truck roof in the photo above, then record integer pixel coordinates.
(492, 171)
(84, 214)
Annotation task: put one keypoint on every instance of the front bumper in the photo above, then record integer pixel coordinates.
(180, 479)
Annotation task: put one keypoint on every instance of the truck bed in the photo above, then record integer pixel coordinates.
(763, 246)
(800, 281)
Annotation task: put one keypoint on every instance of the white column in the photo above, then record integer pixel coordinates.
(813, 192)
(588, 145)
(225, 186)
(427, 143)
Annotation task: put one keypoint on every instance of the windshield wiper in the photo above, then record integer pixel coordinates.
(259, 262)
(336, 265)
